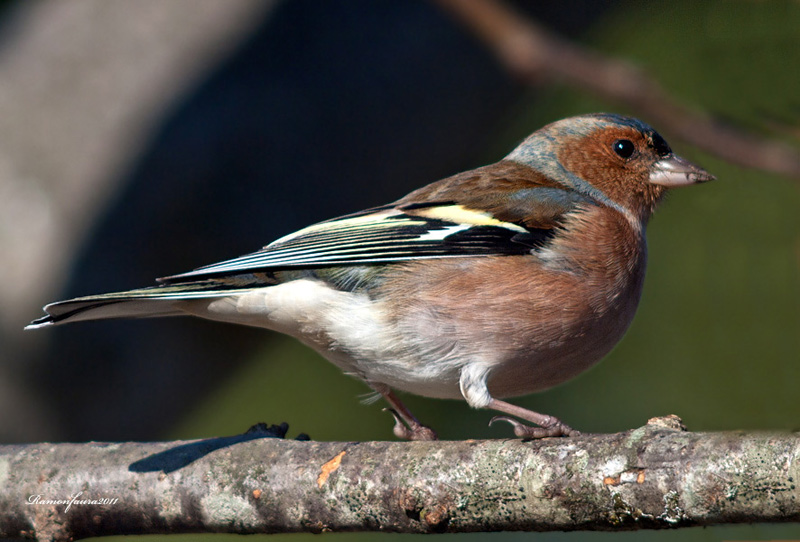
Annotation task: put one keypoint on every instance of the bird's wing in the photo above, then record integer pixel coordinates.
(385, 234)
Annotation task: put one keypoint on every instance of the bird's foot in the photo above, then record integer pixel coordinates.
(548, 426)
(410, 429)
(406, 425)
(556, 428)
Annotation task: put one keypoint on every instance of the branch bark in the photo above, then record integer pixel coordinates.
(656, 476)
(533, 54)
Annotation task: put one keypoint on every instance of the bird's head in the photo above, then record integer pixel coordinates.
(613, 159)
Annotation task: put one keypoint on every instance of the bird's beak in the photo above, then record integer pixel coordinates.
(676, 171)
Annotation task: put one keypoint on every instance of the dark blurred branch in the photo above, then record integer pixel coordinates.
(533, 54)
(657, 476)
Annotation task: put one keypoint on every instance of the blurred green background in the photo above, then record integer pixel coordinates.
(716, 339)
(717, 336)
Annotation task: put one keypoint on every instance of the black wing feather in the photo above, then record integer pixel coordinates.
(381, 235)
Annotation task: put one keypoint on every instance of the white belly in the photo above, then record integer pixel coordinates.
(349, 329)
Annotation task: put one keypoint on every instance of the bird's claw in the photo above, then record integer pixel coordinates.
(556, 429)
(410, 430)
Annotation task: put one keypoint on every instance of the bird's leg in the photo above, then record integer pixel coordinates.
(406, 425)
(549, 426)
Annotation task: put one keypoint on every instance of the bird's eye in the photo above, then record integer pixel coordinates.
(624, 148)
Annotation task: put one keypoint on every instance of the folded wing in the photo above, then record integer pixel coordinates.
(385, 234)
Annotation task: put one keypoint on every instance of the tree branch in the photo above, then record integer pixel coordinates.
(656, 476)
(533, 54)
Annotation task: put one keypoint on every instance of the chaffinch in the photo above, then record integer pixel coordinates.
(493, 283)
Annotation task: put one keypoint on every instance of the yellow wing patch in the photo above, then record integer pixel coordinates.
(462, 215)
(355, 223)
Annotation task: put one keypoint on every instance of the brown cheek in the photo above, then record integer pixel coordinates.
(591, 163)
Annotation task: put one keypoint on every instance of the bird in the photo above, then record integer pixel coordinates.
(489, 284)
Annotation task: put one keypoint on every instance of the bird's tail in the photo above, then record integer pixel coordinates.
(155, 301)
